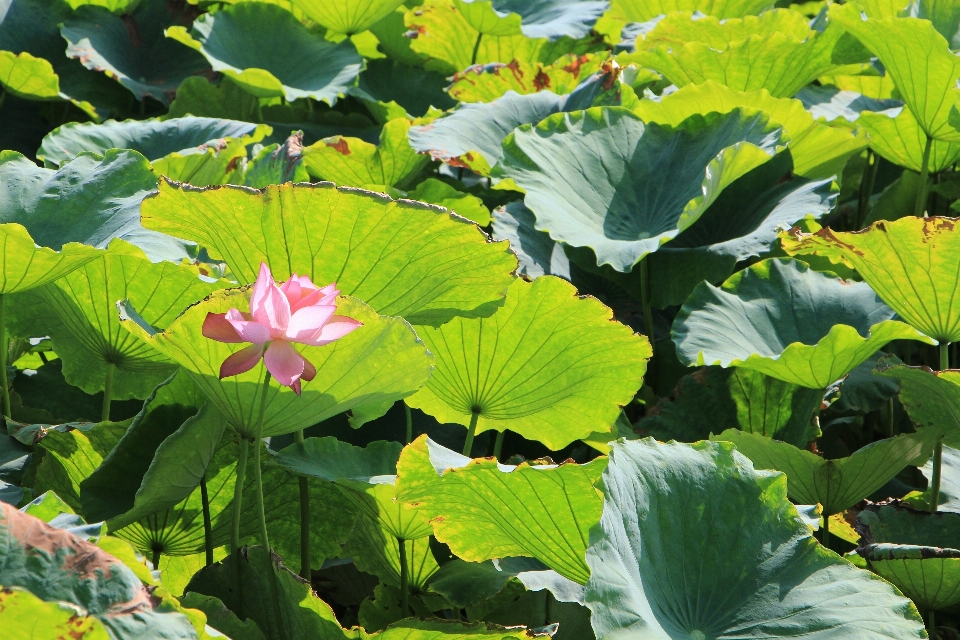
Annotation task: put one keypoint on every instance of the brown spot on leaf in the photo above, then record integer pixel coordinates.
(574, 67)
(340, 146)
(541, 81)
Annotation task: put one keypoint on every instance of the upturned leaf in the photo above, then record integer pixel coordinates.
(901, 140)
(26, 266)
(931, 398)
(549, 19)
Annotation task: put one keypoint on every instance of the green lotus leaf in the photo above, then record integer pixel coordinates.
(26, 265)
(818, 151)
(486, 510)
(596, 177)
(226, 101)
(45, 561)
(917, 551)
(331, 460)
(267, 51)
(783, 319)
(383, 361)
(713, 399)
(622, 12)
(944, 16)
(439, 266)
(900, 140)
(25, 76)
(547, 365)
(355, 163)
(949, 480)
(929, 92)
(776, 51)
(549, 19)
(731, 558)
(875, 87)
(153, 138)
(132, 49)
(25, 615)
(221, 618)
(221, 162)
(276, 164)
(836, 484)
(486, 83)
(931, 398)
(863, 390)
(908, 262)
(413, 88)
(347, 16)
(842, 106)
(537, 252)
(434, 191)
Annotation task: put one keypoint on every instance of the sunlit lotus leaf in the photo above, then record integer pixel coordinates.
(132, 49)
(267, 51)
(547, 365)
(383, 361)
(275, 164)
(876, 87)
(347, 16)
(153, 138)
(439, 266)
(486, 83)
(931, 398)
(836, 484)
(26, 266)
(622, 12)
(597, 178)
(929, 90)
(694, 543)
(917, 551)
(25, 615)
(908, 262)
(436, 191)
(354, 163)
(818, 151)
(485, 510)
(783, 319)
(900, 140)
(28, 77)
(549, 19)
(220, 162)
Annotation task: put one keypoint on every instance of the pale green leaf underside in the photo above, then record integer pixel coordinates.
(25, 266)
(901, 141)
(347, 16)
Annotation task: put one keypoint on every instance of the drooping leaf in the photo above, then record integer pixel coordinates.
(26, 265)
(488, 82)
(917, 551)
(547, 365)
(783, 319)
(332, 460)
(907, 262)
(836, 484)
(267, 51)
(537, 252)
(694, 543)
(485, 510)
(132, 49)
(931, 398)
(596, 178)
(438, 266)
(347, 16)
(841, 106)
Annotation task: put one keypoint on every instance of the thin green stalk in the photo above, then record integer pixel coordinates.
(547, 607)
(498, 445)
(647, 310)
(3, 98)
(938, 450)
(471, 433)
(304, 520)
(4, 350)
(107, 392)
(409, 413)
(404, 579)
(235, 528)
(921, 202)
(207, 525)
(891, 425)
(932, 623)
(825, 532)
(156, 559)
(476, 49)
(867, 181)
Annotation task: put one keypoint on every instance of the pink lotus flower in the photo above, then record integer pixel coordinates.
(296, 311)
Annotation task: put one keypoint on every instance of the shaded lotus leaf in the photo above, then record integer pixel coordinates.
(47, 562)
(486, 510)
(132, 48)
(596, 178)
(831, 104)
(776, 51)
(731, 558)
(713, 399)
(347, 16)
(537, 252)
(917, 551)
(226, 100)
(931, 398)
(783, 319)
(549, 19)
(836, 484)
(949, 480)
(438, 192)
(153, 138)
(901, 140)
(908, 262)
(486, 83)
(818, 151)
(930, 91)
(355, 163)
(414, 88)
(221, 618)
(548, 365)
(863, 390)
(439, 266)
(25, 615)
(267, 51)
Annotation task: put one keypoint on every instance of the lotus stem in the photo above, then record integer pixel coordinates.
(156, 558)
(207, 526)
(920, 206)
(647, 310)
(471, 432)
(934, 502)
(498, 445)
(547, 606)
(932, 623)
(891, 426)
(3, 97)
(476, 49)
(867, 181)
(107, 392)
(825, 532)
(409, 413)
(304, 519)
(4, 350)
(235, 531)
(404, 579)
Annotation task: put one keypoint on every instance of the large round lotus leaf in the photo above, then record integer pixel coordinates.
(347, 16)
(931, 398)
(485, 510)
(25, 265)
(132, 48)
(602, 178)
(91, 200)
(486, 83)
(25, 615)
(623, 11)
(549, 18)
(917, 551)
(79, 312)
(818, 151)
(783, 319)
(57, 566)
(438, 266)
(384, 360)
(910, 263)
(267, 51)
(929, 91)
(840, 483)
(776, 51)
(547, 365)
(900, 140)
(693, 543)
(152, 138)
